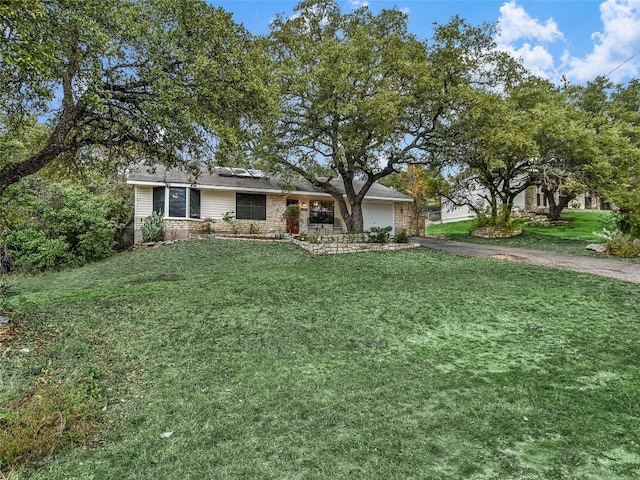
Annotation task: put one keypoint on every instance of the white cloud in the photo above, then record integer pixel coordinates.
(532, 41)
(358, 3)
(525, 37)
(537, 59)
(613, 46)
(515, 24)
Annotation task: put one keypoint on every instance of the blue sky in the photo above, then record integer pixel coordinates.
(576, 38)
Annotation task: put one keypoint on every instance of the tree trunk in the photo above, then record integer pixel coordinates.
(418, 220)
(352, 217)
(56, 145)
(555, 209)
(494, 210)
(15, 172)
(505, 213)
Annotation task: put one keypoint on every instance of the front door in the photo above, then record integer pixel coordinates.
(293, 223)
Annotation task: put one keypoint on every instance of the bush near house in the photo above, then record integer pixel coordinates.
(153, 228)
(51, 225)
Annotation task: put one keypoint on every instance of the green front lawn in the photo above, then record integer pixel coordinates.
(570, 238)
(231, 359)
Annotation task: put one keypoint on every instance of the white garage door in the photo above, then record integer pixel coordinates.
(377, 215)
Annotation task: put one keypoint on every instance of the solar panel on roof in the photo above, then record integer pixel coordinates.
(240, 172)
(224, 171)
(256, 173)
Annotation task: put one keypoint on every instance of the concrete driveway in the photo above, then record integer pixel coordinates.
(629, 272)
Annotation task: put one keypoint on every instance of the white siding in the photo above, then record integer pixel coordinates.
(519, 201)
(144, 201)
(455, 214)
(377, 214)
(215, 203)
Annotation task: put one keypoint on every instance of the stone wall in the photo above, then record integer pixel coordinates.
(173, 229)
(404, 221)
(335, 248)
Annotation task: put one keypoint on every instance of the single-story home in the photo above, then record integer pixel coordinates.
(249, 201)
(530, 200)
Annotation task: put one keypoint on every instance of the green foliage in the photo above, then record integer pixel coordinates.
(208, 226)
(8, 290)
(52, 225)
(499, 218)
(355, 237)
(34, 251)
(624, 245)
(352, 88)
(379, 234)
(108, 74)
(254, 229)
(620, 244)
(309, 237)
(153, 228)
(614, 114)
(291, 212)
(401, 237)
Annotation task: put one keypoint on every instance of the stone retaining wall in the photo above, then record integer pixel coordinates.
(315, 248)
(333, 248)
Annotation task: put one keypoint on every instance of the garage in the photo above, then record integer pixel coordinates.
(377, 215)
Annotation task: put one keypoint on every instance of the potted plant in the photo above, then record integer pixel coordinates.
(292, 217)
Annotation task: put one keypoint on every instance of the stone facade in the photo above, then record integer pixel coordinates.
(403, 219)
(177, 229)
(180, 229)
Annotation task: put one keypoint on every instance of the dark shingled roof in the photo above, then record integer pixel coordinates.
(268, 183)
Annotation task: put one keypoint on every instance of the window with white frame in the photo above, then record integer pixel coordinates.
(177, 202)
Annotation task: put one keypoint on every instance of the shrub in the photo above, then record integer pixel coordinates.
(153, 228)
(208, 226)
(379, 234)
(35, 252)
(50, 225)
(624, 245)
(7, 290)
(355, 237)
(620, 244)
(401, 237)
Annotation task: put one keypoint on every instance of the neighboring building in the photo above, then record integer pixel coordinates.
(531, 200)
(255, 201)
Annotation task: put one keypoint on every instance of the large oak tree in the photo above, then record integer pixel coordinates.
(358, 96)
(614, 113)
(153, 81)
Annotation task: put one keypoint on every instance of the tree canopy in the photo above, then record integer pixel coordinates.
(614, 114)
(359, 97)
(151, 80)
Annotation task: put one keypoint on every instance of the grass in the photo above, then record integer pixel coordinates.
(229, 359)
(569, 238)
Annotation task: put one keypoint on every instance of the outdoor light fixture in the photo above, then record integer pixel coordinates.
(304, 204)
